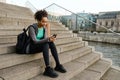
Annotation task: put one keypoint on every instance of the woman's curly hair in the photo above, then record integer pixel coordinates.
(40, 14)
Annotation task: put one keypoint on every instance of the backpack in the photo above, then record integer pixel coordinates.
(23, 40)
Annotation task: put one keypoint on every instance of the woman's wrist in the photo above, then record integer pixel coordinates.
(48, 39)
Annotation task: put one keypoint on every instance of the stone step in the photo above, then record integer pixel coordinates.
(8, 8)
(113, 73)
(59, 32)
(10, 48)
(73, 68)
(15, 10)
(8, 60)
(28, 70)
(11, 21)
(66, 35)
(11, 6)
(16, 32)
(60, 39)
(74, 54)
(3, 13)
(94, 72)
(70, 46)
(7, 48)
(13, 15)
(19, 27)
(8, 39)
(67, 40)
(13, 39)
(56, 23)
(21, 72)
(15, 21)
(5, 27)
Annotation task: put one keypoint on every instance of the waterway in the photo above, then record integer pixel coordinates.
(111, 51)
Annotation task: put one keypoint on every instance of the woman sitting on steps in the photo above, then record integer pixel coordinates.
(41, 40)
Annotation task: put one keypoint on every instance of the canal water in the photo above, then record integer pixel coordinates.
(111, 51)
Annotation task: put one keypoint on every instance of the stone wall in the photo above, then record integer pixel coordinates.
(100, 37)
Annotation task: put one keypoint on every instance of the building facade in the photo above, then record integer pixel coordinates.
(84, 24)
(77, 22)
(110, 20)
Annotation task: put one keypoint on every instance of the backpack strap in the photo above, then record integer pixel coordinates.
(25, 30)
(34, 26)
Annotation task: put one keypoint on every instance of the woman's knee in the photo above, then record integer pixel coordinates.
(51, 43)
(45, 45)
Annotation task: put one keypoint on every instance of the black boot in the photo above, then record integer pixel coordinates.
(50, 72)
(60, 68)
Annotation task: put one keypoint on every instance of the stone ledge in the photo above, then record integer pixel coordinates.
(112, 74)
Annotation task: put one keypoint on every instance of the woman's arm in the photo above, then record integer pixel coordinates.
(52, 38)
(33, 37)
(48, 29)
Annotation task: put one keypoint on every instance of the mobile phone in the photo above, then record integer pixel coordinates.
(54, 35)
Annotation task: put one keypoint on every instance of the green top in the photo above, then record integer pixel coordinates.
(40, 33)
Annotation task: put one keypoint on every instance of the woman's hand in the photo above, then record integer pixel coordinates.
(52, 39)
(47, 24)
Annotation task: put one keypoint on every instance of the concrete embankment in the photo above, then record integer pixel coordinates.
(100, 37)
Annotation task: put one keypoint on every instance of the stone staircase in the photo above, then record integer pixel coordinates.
(81, 60)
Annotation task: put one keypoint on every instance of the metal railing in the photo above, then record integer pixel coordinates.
(52, 17)
(83, 18)
(30, 6)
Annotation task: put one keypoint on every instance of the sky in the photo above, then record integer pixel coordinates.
(88, 6)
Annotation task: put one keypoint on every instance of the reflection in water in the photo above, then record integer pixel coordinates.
(111, 51)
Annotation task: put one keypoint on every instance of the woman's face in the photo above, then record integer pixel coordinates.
(43, 22)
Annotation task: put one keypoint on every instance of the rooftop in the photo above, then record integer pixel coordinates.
(107, 15)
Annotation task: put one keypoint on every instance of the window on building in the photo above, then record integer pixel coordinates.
(117, 23)
(100, 23)
(106, 23)
(112, 23)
